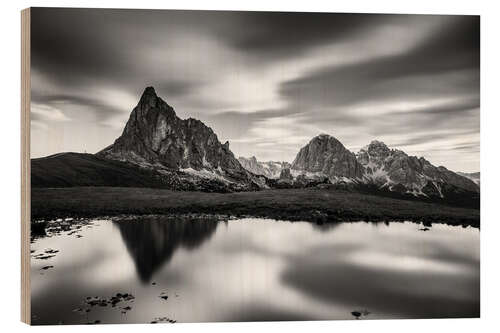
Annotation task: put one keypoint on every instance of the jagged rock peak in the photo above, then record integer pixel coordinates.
(155, 137)
(375, 152)
(150, 105)
(378, 144)
(149, 91)
(326, 155)
(393, 167)
(375, 146)
(148, 98)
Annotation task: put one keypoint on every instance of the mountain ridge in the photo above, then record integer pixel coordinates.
(375, 165)
(154, 137)
(185, 154)
(269, 169)
(326, 155)
(386, 167)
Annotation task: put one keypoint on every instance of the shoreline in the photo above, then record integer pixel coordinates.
(309, 205)
(65, 224)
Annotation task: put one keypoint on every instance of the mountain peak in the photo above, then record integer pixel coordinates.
(155, 137)
(323, 136)
(326, 155)
(376, 147)
(386, 167)
(149, 90)
(148, 97)
(378, 143)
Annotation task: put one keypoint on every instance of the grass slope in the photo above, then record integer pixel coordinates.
(75, 169)
(310, 204)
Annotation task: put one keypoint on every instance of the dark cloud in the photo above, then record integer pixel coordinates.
(275, 34)
(451, 56)
(100, 110)
(248, 118)
(379, 81)
(76, 43)
(236, 124)
(433, 87)
(412, 119)
(415, 77)
(83, 47)
(177, 87)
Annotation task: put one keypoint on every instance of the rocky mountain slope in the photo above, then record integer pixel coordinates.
(392, 167)
(474, 176)
(76, 170)
(375, 167)
(270, 169)
(326, 156)
(158, 149)
(154, 137)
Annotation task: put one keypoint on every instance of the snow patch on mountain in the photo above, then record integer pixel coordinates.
(375, 165)
(207, 174)
(308, 174)
(383, 166)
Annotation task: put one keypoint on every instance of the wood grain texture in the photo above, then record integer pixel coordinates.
(25, 165)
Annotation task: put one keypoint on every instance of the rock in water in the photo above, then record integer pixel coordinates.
(155, 137)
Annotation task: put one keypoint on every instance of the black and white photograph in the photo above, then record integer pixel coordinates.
(233, 166)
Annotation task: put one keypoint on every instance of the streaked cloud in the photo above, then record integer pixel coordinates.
(267, 82)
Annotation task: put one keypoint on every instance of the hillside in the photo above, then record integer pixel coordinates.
(75, 169)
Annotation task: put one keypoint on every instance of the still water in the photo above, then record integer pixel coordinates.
(252, 270)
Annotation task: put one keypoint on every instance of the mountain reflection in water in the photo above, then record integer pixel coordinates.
(151, 241)
(254, 269)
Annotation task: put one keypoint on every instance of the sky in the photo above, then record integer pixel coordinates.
(267, 82)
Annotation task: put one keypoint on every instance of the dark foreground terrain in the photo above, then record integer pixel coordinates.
(309, 204)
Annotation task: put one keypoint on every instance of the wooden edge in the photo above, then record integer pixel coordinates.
(25, 165)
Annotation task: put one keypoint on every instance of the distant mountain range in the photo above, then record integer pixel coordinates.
(270, 169)
(158, 149)
(376, 164)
